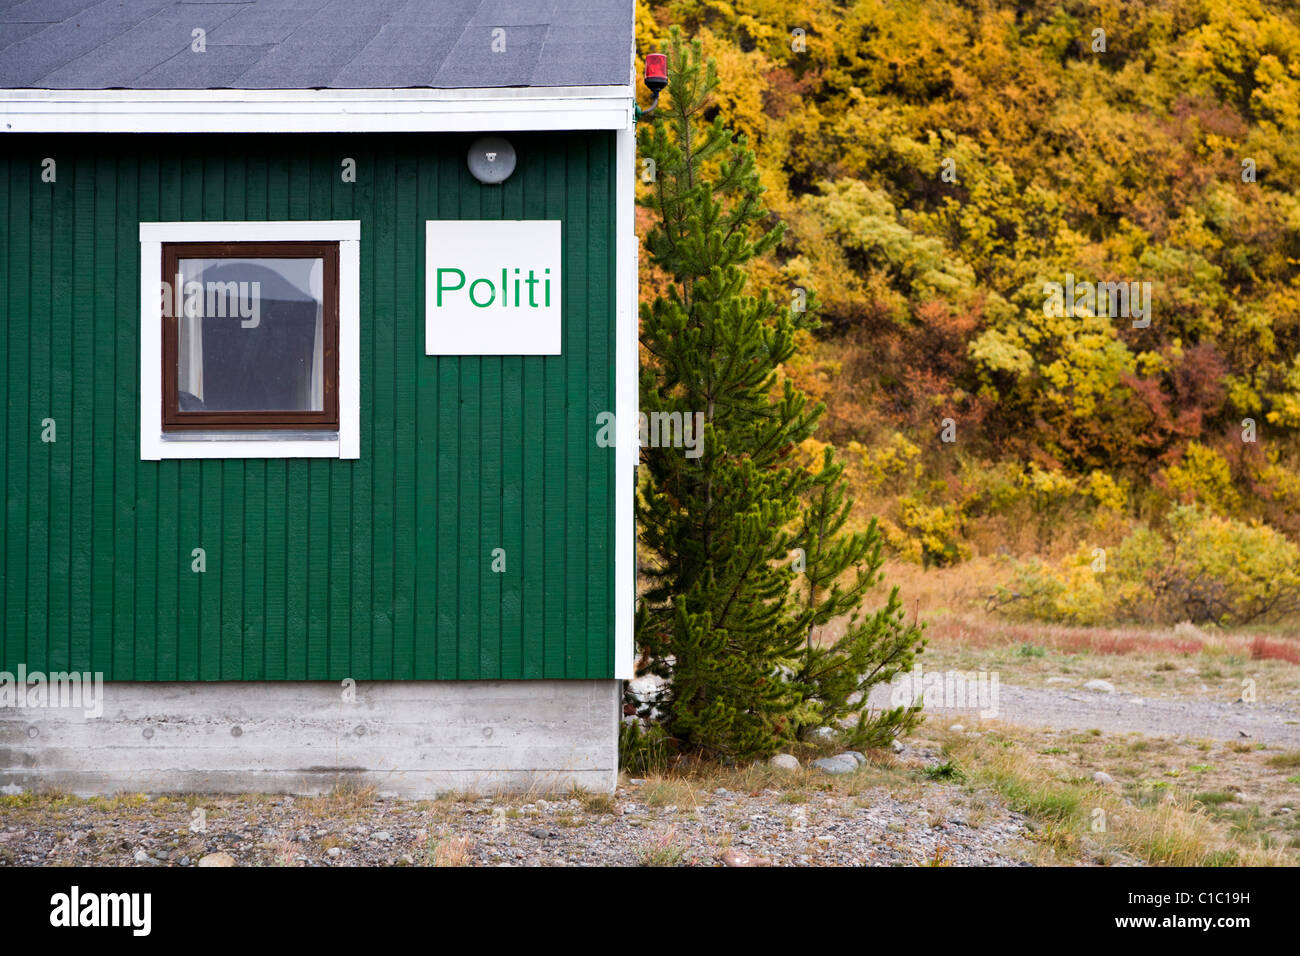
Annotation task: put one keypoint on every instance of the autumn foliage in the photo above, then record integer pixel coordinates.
(936, 164)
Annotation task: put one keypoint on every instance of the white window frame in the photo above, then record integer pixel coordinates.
(347, 442)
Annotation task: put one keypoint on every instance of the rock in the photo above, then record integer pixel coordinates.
(956, 728)
(839, 764)
(1059, 680)
(1240, 797)
(161, 854)
(722, 791)
(1101, 686)
(142, 857)
(741, 858)
(1243, 733)
(383, 836)
(785, 762)
(218, 859)
(860, 758)
(896, 746)
(539, 833)
(1103, 778)
(646, 689)
(333, 852)
(185, 861)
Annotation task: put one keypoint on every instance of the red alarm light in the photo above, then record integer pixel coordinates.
(656, 71)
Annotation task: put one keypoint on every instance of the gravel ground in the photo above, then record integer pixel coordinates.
(1271, 724)
(929, 823)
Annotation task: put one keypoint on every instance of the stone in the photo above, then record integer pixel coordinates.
(383, 836)
(142, 857)
(859, 757)
(823, 734)
(741, 858)
(956, 728)
(334, 852)
(1101, 686)
(785, 762)
(646, 689)
(1059, 680)
(896, 746)
(839, 764)
(1103, 778)
(218, 859)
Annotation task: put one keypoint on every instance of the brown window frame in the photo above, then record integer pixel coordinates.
(173, 419)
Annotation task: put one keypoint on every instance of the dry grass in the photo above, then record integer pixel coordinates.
(1160, 822)
(345, 801)
(449, 851)
(662, 849)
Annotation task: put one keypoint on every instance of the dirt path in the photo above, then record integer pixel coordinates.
(1274, 725)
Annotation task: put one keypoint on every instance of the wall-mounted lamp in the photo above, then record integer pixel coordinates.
(491, 159)
(656, 78)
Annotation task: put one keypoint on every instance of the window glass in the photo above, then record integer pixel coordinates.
(251, 335)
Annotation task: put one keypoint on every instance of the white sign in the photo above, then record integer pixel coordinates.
(492, 287)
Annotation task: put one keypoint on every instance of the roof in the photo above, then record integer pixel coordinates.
(314, 44)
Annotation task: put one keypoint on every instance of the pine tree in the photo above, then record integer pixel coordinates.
(835, 679)
(724, 619)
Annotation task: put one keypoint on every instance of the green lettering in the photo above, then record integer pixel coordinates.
(449, 288)
(474, 301)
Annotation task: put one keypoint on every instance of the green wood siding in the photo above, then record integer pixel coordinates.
(316, 569)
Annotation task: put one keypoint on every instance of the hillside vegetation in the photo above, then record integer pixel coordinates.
(938, 167)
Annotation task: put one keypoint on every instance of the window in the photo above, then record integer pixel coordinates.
(249, 340)
(250, 336)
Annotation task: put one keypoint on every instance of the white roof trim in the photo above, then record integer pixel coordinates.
(316, 111)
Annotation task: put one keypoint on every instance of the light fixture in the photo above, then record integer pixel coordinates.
(656, 78)
(491, 159)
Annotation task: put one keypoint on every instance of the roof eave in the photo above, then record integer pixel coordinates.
(316, 111)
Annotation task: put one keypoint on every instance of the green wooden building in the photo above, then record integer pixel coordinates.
(309, 332)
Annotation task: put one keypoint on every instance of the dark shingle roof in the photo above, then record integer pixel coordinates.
(305, 44)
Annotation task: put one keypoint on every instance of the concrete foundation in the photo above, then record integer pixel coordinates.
(412, 739)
